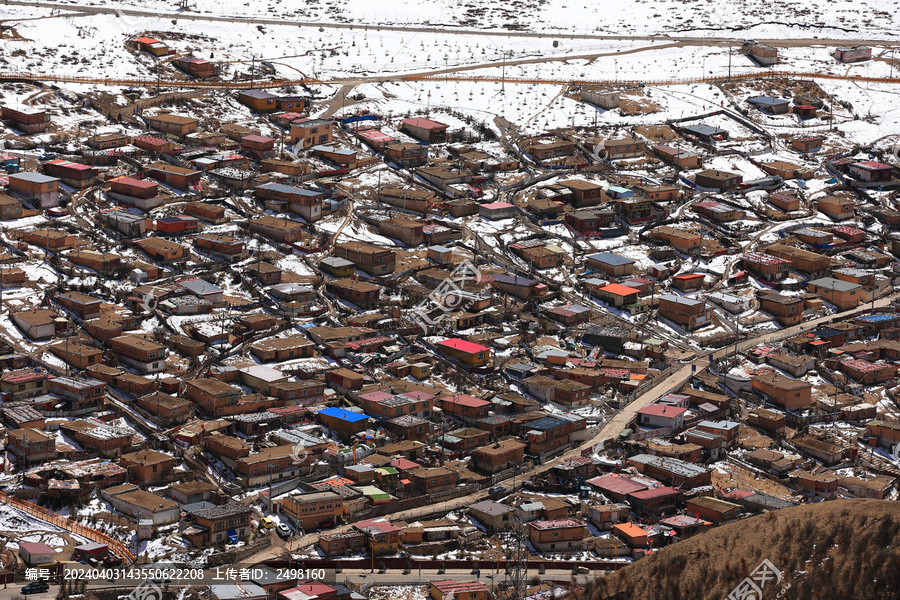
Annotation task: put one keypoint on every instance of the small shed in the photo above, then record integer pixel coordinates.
(90, 550)
(35, 553)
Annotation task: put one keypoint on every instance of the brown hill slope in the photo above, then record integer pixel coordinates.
(831, 550)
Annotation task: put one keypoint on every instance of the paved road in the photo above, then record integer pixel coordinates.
(488, 576)
(363, 577)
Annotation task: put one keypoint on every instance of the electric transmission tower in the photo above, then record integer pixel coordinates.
(517, 567)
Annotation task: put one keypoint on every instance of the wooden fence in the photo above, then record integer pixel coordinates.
(68, 524)
(274, 83)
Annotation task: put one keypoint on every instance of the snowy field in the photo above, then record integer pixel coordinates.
(96, 46)
(638, 17)
(69, 43)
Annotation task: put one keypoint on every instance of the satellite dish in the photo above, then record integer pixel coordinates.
(754, 304)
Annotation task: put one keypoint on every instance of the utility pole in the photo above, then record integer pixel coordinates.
(729, 61)
(503, 75)
(68, 333)
(737, 334)
(443, 433)
(252, 68)
(873, 286)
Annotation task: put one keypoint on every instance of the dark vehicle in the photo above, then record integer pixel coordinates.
(498, 491)
(35, 587)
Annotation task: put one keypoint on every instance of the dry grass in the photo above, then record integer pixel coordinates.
(657, 133)
(840, 549)
(637, 104)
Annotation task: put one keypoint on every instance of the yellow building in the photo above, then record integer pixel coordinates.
(468, 353)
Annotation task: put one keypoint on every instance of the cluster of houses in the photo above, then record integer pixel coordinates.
(249, 305)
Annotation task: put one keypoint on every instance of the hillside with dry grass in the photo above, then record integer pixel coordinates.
(831, 550)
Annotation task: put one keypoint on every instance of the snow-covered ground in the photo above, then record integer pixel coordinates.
(851, 20)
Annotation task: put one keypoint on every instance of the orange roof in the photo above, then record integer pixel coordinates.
(618, 289)
(638, 377)
(630, 529)
(146, 40)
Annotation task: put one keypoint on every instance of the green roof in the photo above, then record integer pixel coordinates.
(373, 492)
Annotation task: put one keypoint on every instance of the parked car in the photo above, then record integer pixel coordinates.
(498, 491)
(266, 523)
(283, 531)
(47, 156)
(36, 587)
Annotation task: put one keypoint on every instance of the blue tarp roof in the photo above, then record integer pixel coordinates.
(877, 318)
(342, 414)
